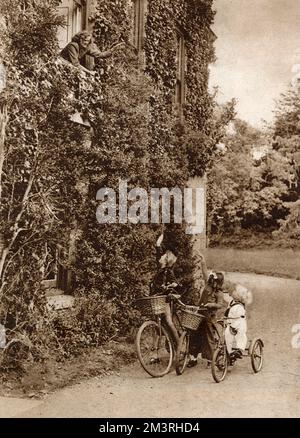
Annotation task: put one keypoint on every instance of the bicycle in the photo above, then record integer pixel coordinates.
(221, 358)
(155, 343)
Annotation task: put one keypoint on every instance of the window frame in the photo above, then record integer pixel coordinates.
(77, 18)
(69, 9)
(181, 70)
(139, 14)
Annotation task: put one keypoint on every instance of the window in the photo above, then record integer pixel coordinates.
(140, 7)
(2, 77)
(181, 71)
(75, 13)
(55, 272)
(50, 266)
(77, 17)
(2, 106)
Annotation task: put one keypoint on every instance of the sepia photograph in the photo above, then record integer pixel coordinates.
(149, 212)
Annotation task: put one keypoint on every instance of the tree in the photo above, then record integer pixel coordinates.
(244, 192)
(286, 140)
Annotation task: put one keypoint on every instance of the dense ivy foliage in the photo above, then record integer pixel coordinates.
(42, 165)
(166, 22)
(54, 167)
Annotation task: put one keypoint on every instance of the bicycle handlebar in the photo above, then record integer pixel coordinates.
(176, 297)
(226, 318)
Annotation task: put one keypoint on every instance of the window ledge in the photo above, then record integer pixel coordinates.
(60, 302)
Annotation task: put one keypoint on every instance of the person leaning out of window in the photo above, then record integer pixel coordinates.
(81, 45)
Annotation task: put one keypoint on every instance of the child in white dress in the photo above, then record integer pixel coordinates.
(236, 330)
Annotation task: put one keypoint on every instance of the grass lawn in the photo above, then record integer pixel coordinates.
(276, 262)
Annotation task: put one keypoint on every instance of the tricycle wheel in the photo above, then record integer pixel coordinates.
(256, 353)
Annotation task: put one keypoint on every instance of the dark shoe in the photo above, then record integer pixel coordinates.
(232, 361)
(232, 358)
(192, 363)
(239, 354)
(236, 354)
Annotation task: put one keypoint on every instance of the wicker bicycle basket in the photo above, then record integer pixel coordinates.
(190, 319)
(155, 305)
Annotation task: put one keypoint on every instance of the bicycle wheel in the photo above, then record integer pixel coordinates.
(219, 364)
(256, 353)
(154, 349)
(182, 353)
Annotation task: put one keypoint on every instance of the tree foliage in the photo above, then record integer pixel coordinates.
(286, 141)
(246, 190)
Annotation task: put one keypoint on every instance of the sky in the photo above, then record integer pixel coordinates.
(258, 44)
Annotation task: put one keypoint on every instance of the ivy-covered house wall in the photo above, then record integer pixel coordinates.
(150, 122)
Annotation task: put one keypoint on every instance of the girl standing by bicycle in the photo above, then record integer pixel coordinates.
(204, 339)
(165, 279)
